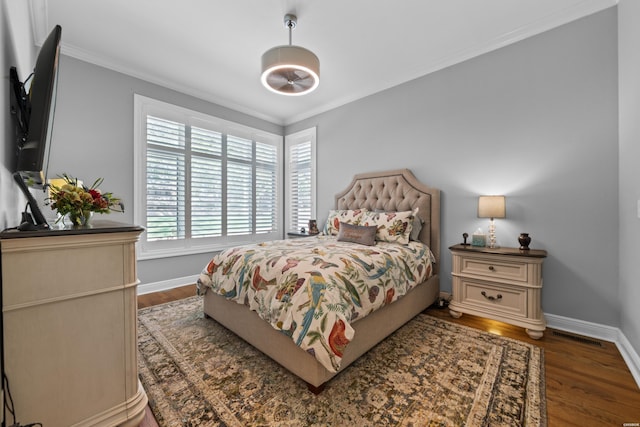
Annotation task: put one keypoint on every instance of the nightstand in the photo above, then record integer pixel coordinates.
(503, 284)
(298, 235)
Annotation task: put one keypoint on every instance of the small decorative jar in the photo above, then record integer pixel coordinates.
(524, 240)
(313, 226)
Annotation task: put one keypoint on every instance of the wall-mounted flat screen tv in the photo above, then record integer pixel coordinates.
(33, 113)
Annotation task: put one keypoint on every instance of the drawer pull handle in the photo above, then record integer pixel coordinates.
(491, 298)
(492, 268)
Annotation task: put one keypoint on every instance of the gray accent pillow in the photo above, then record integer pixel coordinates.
(364, 235)
(417, 228)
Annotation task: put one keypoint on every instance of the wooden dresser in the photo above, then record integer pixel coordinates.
(70, 326)
(503, 284)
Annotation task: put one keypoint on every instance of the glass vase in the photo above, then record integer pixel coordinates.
(78, 218)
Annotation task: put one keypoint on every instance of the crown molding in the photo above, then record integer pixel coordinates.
(40, 27)
(39, 20)
(581, 10)
(86, 56)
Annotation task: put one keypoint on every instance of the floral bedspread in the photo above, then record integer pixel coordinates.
(312, 289)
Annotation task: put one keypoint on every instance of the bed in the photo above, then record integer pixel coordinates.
(380, 192)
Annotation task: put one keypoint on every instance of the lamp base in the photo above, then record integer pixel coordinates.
(492, 235)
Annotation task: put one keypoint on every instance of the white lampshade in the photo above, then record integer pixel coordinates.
(491, 207)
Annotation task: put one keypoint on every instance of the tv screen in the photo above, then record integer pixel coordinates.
(34, 147)
(33, 114)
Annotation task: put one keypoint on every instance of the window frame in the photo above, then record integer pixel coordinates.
(303, 136)
(144, 106)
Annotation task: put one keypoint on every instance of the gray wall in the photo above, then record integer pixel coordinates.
(93, 137)
(535, 121)
(629, 83)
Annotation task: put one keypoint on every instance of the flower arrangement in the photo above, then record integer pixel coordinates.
(79, 201)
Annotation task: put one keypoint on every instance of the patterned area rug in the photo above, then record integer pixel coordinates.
(428, 373)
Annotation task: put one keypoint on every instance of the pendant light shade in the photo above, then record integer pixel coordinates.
(290, 70)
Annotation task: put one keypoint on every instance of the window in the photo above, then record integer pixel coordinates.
(300, 171)
(203, 183)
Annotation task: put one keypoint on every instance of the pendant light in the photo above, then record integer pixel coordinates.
(290, 70)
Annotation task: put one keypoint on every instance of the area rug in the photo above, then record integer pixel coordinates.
(428, 373)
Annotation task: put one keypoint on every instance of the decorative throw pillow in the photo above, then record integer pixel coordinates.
(357, 234)
(336, 216)
(417, 225)
(392, 227)
(416, 229)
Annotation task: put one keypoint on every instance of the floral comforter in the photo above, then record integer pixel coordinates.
(312, 289)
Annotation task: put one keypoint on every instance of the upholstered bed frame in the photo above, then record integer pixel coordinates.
(396, 190)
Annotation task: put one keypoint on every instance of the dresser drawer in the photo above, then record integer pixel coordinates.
(492, 297)
(493, 269)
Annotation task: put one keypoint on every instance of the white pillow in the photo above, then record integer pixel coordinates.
(393, 227)
(336, 216)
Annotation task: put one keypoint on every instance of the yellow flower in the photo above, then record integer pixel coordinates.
(76, 199)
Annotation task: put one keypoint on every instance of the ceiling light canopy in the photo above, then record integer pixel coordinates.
(290, 70)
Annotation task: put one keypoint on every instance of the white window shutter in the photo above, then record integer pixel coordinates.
(165, 179)
(266, 188)
(301, 178)
(203, 183)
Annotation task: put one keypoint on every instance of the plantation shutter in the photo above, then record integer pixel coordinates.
(239, 186)
(203, 184)
(165, 179)
(266, 187)
(206, 183)
(300, 179)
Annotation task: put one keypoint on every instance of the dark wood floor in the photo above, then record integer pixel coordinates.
(587, 381)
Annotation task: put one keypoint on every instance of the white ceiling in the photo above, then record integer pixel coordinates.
(211, 49)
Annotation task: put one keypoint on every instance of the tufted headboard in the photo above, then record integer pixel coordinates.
(396, 190)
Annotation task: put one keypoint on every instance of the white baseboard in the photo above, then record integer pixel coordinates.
(630, 356)
(581, 327)
(165, 285)
(603, 332)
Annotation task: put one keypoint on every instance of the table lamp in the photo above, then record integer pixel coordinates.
(491, 207)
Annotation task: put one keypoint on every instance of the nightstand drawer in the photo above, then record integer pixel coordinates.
(494, 269)
(504, 299)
